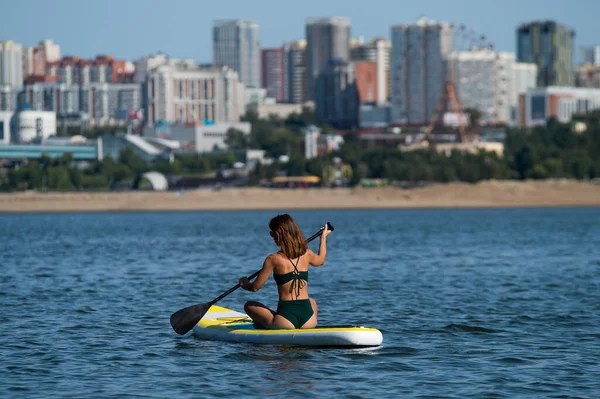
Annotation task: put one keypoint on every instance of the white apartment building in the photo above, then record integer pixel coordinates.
(11, 64)
(187, 93)
(483, 80)
(524, 78)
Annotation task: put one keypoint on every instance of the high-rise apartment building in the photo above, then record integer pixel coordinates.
(419, 73)
(341, 88)
(273, 73)
(294, 85)
(377, 50)
(327, 39)
(236, 45)
(100, 102)
(524, 78)
(102, 69)
(483, 80)
(34, 62)
(11, 64)
(185, 93)
(549, 45)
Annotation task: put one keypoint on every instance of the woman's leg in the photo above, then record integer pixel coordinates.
(312, 322)
(264, 317)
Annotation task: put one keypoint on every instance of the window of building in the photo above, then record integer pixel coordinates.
(538, 107)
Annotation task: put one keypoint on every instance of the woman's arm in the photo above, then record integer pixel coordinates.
(262, 277)
(319, 259)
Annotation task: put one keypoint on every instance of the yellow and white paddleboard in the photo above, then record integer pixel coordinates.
(222, 324)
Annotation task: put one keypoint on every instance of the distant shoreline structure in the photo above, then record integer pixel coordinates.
(485, 194)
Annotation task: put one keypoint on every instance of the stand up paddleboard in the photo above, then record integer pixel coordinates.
(222, 324)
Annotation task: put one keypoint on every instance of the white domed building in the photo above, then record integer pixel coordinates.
(28, 125)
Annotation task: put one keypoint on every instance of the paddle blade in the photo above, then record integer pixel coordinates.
(185, 319)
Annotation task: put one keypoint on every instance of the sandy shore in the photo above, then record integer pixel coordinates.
(493, 194)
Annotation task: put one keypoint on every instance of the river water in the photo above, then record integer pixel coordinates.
(500, 303)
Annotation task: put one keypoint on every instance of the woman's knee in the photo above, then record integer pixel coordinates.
(252, 306)
(249, 305)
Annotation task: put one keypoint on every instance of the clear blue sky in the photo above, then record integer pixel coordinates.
(129, 29)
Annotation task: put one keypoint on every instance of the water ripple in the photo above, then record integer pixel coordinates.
(472, 303)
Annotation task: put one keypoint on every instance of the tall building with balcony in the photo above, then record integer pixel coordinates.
(419, 57)
(100, 103)
(236, 45)
(183, 93)
(549, 45)
(294, 65)
(11, 64)
(74, 70)
(483, 80)
(377, 50)
(327, 39)
(103, 101)
(58, 97)
(273, 73)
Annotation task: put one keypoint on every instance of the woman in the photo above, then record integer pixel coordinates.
(290, 270)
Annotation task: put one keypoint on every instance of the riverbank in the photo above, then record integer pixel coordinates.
(487, 194)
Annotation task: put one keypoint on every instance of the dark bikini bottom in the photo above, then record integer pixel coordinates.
(297, 312)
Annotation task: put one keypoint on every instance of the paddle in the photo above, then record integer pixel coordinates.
(185, 319)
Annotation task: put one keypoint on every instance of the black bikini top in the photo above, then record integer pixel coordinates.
(298, 278)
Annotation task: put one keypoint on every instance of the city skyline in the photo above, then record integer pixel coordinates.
(132, 29)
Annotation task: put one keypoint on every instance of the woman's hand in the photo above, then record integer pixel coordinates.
(244, 282)
(326, 231)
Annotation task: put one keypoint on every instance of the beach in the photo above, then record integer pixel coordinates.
(485, 194)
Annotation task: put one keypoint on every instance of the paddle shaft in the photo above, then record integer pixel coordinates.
(235, 287)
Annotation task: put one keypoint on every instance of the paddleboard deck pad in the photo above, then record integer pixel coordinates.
(222, 324)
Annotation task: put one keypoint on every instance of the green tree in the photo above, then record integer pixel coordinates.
(524, 161)
(59, 178)
(133, 161)
(237, 140)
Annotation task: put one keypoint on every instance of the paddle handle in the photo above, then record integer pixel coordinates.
(235, 287)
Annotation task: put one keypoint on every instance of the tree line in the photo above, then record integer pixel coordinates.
(552, 151)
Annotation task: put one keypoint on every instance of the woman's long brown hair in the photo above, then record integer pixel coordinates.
(288, 236)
